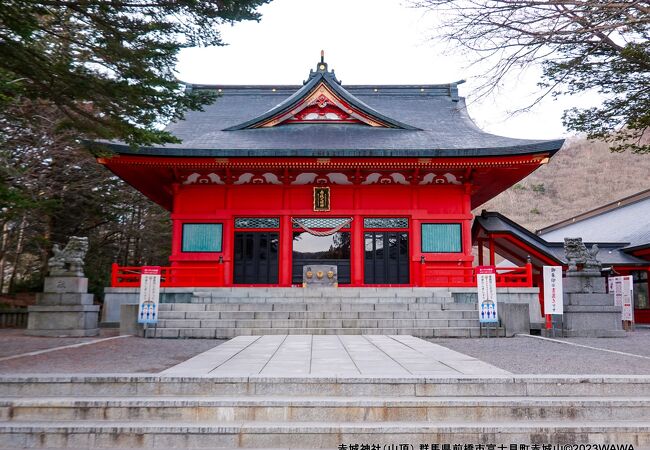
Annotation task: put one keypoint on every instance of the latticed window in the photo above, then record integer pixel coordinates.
(257, 222)
(320, 222)
(441, 238)
(385, 222)
(201, 237)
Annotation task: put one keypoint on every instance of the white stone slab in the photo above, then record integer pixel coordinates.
(332, 356)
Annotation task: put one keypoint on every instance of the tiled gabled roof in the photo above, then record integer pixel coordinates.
(611, 252)
(419, 121)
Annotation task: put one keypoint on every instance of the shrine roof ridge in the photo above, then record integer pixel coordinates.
(411, 120)
(382, 89)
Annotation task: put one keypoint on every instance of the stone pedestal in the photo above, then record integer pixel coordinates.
(63, 309)
(514, 318)
(129, 320)
(588, 310)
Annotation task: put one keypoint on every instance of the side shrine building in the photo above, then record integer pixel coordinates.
(379, 180)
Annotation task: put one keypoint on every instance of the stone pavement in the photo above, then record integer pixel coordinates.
(305, 355)
(124, 355)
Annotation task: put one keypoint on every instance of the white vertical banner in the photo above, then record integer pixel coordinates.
(617, 288)
(626, 298)
(149, 294)
(553, 299)
(486, 283)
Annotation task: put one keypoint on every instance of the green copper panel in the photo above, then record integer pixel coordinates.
(202, 237)
(441, 238)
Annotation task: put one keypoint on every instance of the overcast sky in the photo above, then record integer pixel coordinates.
(365, 42)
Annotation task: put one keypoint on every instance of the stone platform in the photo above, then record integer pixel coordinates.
(223, 313)
(343, 356)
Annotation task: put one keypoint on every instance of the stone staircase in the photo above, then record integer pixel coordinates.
(226, 313)
(149, 411)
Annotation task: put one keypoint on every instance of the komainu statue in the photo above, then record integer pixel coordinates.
(576, 253)
(70, 260)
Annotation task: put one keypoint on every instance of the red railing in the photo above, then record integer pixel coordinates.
(455, 276)
(430, 275)
(129, 276)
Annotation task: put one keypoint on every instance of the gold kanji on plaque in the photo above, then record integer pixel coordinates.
(321, 199)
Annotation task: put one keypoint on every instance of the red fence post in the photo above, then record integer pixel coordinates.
(529, 275)
(114, 270)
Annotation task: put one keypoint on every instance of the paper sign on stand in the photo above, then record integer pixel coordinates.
(623, 296)
(611, 287)
(616, 286)
(149, 294)
(553, 299)
(486, 282)
(626, 298)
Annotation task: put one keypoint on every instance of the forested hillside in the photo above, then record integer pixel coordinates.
(582, 176)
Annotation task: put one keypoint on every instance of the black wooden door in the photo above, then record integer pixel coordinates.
(386, 258)
(256, 258)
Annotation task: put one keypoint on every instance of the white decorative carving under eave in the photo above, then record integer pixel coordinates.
(197, 178)
(314, 178)
(393, 178)
(432, 178)
(251, 178)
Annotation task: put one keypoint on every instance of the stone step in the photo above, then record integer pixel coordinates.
(234, 315)
(316, 409)
(134, 434)
(228, 333)
(318, 307)
(146, 385)
(317, 323)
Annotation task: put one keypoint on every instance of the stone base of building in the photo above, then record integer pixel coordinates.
(429, 312)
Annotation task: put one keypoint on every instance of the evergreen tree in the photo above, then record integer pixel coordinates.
(108, 65)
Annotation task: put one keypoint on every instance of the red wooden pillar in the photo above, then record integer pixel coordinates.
(415, 239)
(177, 237)
(286, 236)
(228, 250)
(177, 226)
(357, 241)
(467, 223)
(286, 247)
(228, 240)
(416, 267)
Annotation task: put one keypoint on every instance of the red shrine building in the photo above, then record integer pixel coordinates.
(379, 180)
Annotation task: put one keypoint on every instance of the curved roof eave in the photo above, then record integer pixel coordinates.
(550, 147)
